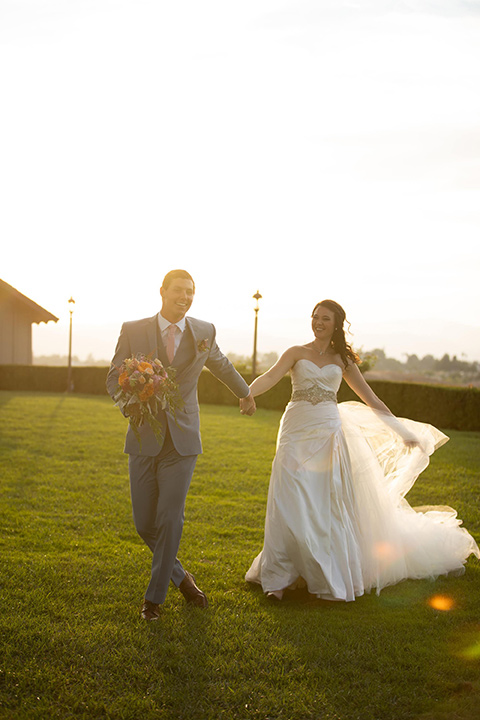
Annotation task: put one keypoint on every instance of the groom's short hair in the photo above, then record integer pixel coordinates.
(173, 275)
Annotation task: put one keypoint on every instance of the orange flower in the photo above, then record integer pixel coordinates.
(145, 367)
(146, 392)
(123, 380)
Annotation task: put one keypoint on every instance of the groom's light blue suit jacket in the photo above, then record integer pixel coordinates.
(197, 349)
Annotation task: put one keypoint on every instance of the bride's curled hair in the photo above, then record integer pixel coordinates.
(338, 342)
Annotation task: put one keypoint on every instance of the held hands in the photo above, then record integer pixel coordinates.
(247, 405)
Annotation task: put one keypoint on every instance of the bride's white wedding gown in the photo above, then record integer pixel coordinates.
(336, 515)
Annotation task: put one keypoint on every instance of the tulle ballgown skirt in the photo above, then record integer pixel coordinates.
(337, 519)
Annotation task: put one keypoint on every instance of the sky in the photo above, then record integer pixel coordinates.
(307, 149)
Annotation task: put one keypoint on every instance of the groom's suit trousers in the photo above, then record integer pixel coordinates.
(158, 487)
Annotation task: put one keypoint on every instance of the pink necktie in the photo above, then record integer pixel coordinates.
(172, 329)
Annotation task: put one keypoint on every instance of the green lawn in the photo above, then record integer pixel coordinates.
(74, 571)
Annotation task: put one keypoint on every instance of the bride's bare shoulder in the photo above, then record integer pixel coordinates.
(297, 352)
(292, 355)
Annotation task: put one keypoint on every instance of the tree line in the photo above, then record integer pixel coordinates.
(372, 360)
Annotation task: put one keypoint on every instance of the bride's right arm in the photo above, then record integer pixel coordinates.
(266, 381)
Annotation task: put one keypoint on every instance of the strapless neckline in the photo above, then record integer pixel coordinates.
(318, 366)
(307, 377)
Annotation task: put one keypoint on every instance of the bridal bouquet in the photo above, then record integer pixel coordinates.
(144, 388)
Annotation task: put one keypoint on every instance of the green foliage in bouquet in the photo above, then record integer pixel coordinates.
(144, 388)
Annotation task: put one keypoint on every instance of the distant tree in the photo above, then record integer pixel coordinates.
(413, 363)
(62, 361)
(427, 363)
(460, 365)
(367, 360)
(384, 363)
(444, 363)
(267, 360)
(243, 363)
(445, 369)
(55, 360)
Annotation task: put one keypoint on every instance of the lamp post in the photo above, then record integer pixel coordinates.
(256, 297)
(71, 303)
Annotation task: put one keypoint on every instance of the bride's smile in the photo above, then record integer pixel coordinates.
(323, 323)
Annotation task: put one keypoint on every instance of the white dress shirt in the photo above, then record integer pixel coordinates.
(165, 324)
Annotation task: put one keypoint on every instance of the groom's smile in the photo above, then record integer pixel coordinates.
(177, 299)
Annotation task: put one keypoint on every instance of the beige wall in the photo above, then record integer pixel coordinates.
(15, 334)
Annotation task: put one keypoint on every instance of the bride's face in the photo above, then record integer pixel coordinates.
(323, 323)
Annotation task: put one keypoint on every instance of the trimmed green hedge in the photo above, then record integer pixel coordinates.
(445, 407)
(86, 380)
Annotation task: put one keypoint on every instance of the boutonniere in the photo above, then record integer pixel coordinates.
(203, 345)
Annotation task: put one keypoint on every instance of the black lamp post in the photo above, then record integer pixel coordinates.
(71, 303)
(256, 297)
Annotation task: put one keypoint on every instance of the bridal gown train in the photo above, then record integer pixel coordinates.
(336, 517)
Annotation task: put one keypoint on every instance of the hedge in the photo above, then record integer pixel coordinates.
(39, 378)
(446, 407)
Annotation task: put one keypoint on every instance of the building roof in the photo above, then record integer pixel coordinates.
(38, 314)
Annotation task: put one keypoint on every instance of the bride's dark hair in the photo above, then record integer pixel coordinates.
(338, 342)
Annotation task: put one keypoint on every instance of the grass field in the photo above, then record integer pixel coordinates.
(74, 571)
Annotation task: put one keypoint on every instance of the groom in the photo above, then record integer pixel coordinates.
(160, 475)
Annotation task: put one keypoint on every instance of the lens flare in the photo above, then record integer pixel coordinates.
(466, 643)
(441, 602)
(472, 652)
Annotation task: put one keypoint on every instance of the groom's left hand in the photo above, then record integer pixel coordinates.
(247, 405)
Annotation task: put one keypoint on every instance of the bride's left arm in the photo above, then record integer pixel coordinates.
(354, 379)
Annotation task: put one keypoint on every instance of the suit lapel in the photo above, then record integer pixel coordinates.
(194, 339)
(151, 335)
(155, 341)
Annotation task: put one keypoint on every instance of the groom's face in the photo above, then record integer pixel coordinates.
(177, 299)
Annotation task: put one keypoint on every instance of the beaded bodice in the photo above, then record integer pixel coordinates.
(315, 384)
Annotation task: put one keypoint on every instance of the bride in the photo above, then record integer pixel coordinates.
(336, 519)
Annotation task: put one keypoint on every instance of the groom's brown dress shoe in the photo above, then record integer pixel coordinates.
(150, 611)
(192, 594)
